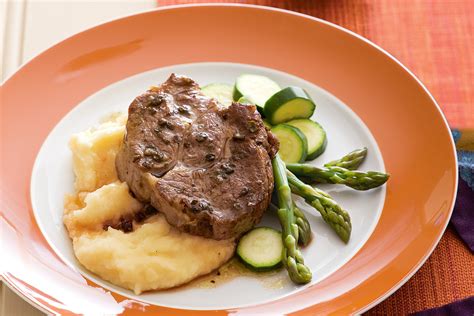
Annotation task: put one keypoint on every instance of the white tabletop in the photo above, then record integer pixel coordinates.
(28, 27)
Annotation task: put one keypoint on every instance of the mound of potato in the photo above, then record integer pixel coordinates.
(154, 255)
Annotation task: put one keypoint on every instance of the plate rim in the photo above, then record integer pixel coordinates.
(429, 251)
(11, 285)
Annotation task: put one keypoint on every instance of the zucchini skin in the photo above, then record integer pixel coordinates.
(261, 269)
(236, 94)
(318, 152)
(315, 127)
(299, 134)
(246, 262)
(282, 98)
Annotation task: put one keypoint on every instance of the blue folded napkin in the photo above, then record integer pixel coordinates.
(463, 216)
(463, 307)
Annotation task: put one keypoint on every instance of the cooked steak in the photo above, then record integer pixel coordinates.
(205, 166)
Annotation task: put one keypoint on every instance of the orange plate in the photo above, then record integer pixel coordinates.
(403, 117)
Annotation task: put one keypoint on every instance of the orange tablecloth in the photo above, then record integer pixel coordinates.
(434, 39)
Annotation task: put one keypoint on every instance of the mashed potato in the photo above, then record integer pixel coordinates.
(107, 203)
(94, 152)
(154, 255)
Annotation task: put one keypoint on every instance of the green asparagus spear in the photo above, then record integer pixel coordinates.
(357, 180)
(291, 257)
(351, 161)
(304, 228)
(331, 212)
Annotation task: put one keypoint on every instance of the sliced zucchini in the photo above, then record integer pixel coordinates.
(244, 100)
(255, 88)
(222, 92)
(315, 135)
(293, 143)
(261, 248)
(288, 104)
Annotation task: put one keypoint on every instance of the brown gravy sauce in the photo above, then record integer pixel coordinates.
(273, 279)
